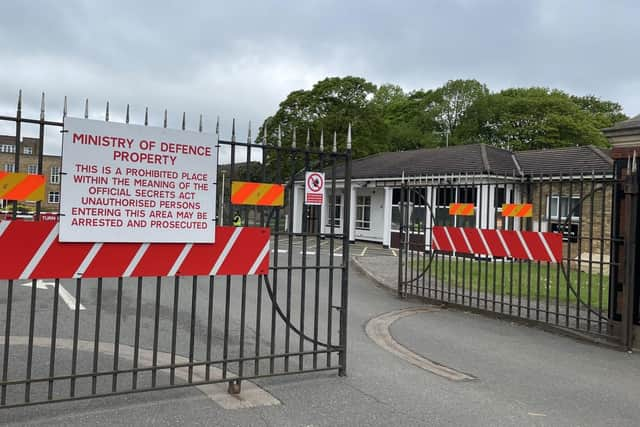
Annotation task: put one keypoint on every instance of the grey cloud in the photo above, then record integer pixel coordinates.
(242, 58)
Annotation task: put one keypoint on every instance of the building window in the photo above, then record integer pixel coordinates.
(6, 148)
(447, 195)
(32, 169)
(337, 212)
(363, 213)
(560, 207)
(54, 197)
(55, 175)
(416, 201)
(27, 150)
(9, 167)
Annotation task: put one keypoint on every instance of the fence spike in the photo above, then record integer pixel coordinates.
(200, 124)
(321, 139)
(86, 108)
(106, 113)
(349, 137)
(628, 165)
(249, 134)
(42, 107)
(335, 141)
(308, 139)
(633, 165)
(293, 140)
(184, 120)
(279, 136)
(146, 116)
(218, 126)
(20, 100)
(164, 124)
(126, 116)
(64, 107)
(233, 130)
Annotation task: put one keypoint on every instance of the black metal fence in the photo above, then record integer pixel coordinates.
(574, 293)
(81, 338)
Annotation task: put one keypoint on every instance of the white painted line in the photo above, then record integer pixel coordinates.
(524, 244)
(68, 299)
(338, 248)
(307, 253)
(180, 259)
(548, 249)
(251, 396)
(446, 232)
(3, 226)
(136, 259)
(225, 251)
(336, 254)
(466, 240)
(364, 251)
(44, 247)
(378, 330)
(504, 244)
(393, 251)
(263, 253)
(484, 242)
(87, 260)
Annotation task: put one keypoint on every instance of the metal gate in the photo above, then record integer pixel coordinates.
(68, 339)
(572, 292)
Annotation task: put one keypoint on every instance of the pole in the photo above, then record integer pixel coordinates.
(222, 201)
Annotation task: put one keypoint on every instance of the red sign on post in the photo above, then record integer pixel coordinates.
(314, 188)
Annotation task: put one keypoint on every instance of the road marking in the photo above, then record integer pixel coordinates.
(378, 330)
(68, 299)
(251, 395)
(393, 251)
(535, 414)
(364, 251)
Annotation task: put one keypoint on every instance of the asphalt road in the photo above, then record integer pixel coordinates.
(524, 376)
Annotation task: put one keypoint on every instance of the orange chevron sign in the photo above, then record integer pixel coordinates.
(520, 210)
(257, 194)
(21, 186)
(462, 209)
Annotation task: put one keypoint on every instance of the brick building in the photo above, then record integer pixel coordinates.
(28, 162)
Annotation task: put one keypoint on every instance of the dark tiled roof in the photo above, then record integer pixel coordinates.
(482, 159)
(475, 158)
(633, 122)
(582, 159)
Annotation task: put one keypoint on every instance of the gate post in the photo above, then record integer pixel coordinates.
(346, 226)
(630, 228)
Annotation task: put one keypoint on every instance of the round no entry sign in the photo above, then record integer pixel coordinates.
(314, 188)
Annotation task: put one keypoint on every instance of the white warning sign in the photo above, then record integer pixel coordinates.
(314, 188)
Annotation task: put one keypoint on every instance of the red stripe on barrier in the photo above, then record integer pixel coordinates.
(62, 259)
(158, 259)
(495, 245)
(473, 235)
(242, 255)
(515, 246)
(203, 256)
(510, 246)
(458, 240)
(112, 260)
(19, 242)
(26, 243)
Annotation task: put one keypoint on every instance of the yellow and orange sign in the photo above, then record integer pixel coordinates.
(520, 210)
(461, 209)
(21, 186)
(257, 194)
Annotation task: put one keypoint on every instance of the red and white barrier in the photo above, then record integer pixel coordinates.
(31, 250)
(527, 245)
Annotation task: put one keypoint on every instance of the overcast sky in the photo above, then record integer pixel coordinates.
(240, 59)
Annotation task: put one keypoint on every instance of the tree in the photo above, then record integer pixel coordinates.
(531, 118)
(452, 100)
